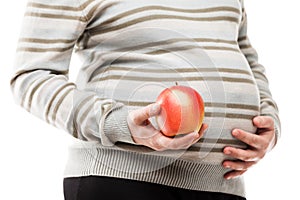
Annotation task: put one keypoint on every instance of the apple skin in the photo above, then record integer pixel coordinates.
(182, 110)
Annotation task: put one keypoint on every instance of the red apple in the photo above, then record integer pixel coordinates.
(182, 110)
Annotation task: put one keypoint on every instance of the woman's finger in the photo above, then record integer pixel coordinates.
(178, 142)
(238, 165)
(251, 139)
(241, 154)
(233, 174)
(264, 122)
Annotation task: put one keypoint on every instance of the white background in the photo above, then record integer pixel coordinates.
(33, 154)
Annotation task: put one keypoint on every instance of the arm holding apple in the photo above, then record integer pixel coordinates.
(144, 133)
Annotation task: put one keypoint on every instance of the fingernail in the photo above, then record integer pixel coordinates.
(259, 120)
(235, 133)
(226, 166)
(196, 134)
(227, 151)
(155, 108)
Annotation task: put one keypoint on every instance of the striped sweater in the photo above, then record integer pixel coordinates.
(130, 52)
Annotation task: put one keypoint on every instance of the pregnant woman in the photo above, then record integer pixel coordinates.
(130, 51)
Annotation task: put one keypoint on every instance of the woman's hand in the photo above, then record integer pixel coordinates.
(144, 133)
(259, 144)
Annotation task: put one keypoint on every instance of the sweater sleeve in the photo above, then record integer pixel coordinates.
(267, 104)
(40, 81)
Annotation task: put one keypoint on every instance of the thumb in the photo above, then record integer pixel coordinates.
(154, 109)
(141, 115)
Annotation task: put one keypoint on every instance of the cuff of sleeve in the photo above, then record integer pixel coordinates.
(277, 129)
(115, 127)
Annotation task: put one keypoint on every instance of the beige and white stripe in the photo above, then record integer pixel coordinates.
(131, 50)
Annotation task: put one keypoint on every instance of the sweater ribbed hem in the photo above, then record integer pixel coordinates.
(112, 162)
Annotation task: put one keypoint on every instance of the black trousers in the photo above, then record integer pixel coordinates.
(106, 188)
